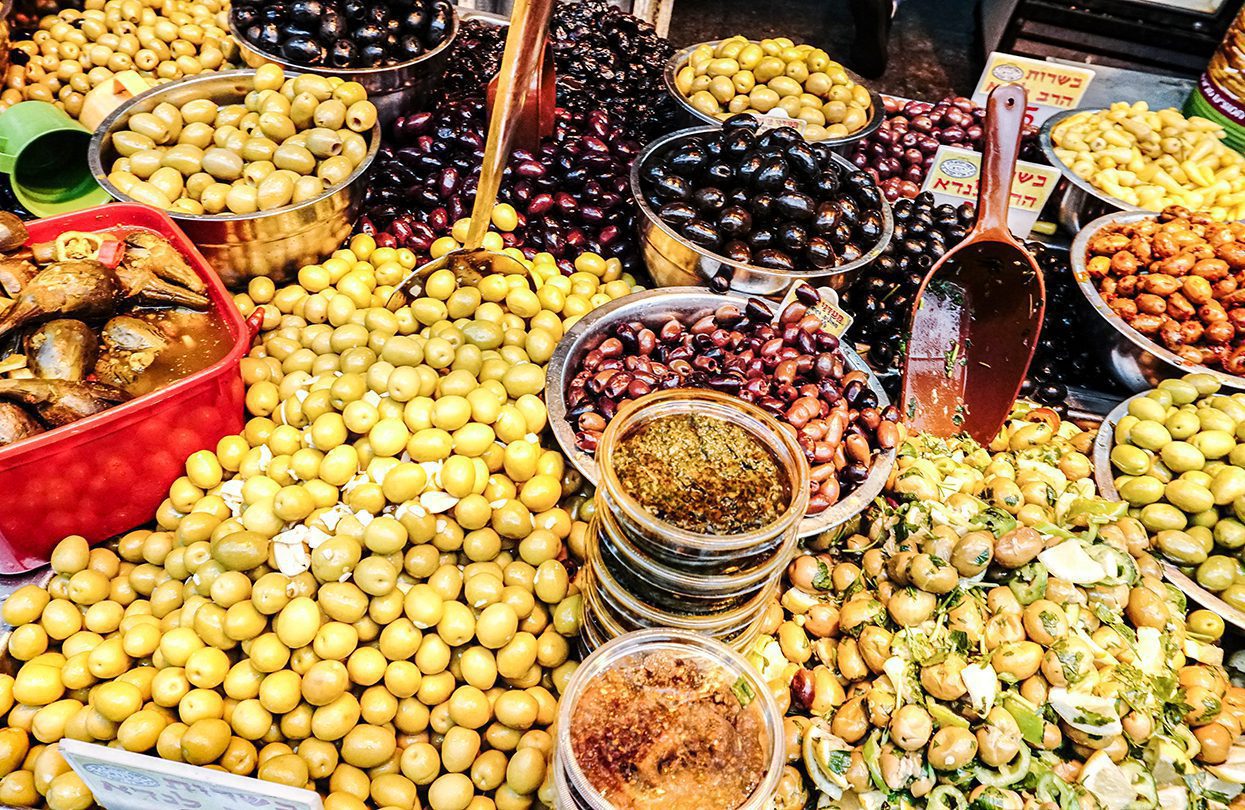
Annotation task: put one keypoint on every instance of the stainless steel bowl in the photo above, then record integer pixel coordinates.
(675, 262)
(242, 246)
(394, 89)
(1137, 362)
(654, 308)
(695, 116)
(1105, 479)
(1081, 201)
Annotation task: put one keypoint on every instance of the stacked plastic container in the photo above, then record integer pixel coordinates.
(644, 572)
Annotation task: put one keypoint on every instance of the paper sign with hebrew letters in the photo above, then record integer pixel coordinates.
(1051, 87)
(121, 780)
(954, 175)
(834, 319)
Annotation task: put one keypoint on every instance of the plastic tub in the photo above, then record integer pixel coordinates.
(575, 791)
(670, 590)
(106, 474)
(694, 552)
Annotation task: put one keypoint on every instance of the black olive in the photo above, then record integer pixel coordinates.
(652, 172)
(771, 175)
(268, 36)
(710, 198)
(306, 12)
(737, 251)
(869, 198)
(762, 238)
(371, 54)
(720, 172)
(870, 228)
(741, 121)
(840, 234)
(416, 20)
(687, 159)
(849, 211)
(369, 34)
(827, 217)
(850, 252)
(701, 233)
(795, 206)
(793, 237)
(355, 10)
(820, 253)
(378, 13)
(762, 206)
(735, 220)
(803, 160)
(677, 213)
(409, 47)
(439, 25)
(244, 16)
(332, 25)
(855, 181)
(736, 143)
(748, 167)
(773, 259)
(673, 187)
(829, 182)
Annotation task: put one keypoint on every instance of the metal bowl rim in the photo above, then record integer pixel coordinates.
(559, 374)
(681, 56)
(1077, 253)
(289, 66)
(1048, 149)
(637, 192)
(105, 128)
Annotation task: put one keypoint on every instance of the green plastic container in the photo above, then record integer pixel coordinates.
(44, 152)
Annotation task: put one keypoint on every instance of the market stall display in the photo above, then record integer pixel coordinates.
(904, 679)
(418, 534)
(715, 80)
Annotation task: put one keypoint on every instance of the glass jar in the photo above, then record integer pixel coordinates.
(648, 651)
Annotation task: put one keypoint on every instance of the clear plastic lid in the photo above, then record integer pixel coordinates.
(656, 691)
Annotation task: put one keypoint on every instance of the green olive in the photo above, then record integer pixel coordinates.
(1149, 435)
(1158, 517)
(1180, 456)
(1214, 443)
(1130, 460)
(1141, 490)
(1216, 573)
(1188, 496)
(1147, 408)
(1181, 547)
(1229, 533)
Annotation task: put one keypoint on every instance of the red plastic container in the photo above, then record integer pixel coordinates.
(108, 473)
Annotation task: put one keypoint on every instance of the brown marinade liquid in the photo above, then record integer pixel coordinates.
(661, 731)
(703, 474)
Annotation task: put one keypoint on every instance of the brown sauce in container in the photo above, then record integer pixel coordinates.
(662, 730)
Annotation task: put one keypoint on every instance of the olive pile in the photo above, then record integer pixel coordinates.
(737, 75)
(1179, 465)
(570, 197)
(290, 141)
(605, 59)
(344, 33)
(75, 50)
(770, 200)
(882, 295)
(366, 592)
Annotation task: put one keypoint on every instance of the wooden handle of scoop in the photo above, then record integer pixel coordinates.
(529, 24)
(1005, 118)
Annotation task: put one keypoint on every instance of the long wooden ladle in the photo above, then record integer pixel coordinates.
(978, 313)
(520, 63)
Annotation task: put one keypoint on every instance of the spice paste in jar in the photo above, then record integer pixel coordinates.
(703, 474)
(663, 730)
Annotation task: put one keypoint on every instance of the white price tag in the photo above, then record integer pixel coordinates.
(834, 319)
(954, 175)
(121, 780)
(1051, 87)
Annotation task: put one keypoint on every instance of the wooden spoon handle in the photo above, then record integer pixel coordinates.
(1005, 116)
(529, 24)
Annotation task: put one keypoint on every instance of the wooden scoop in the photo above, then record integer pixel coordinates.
(977, 314)
(520, 63)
